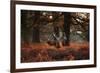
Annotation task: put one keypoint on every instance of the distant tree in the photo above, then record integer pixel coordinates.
(80, 22)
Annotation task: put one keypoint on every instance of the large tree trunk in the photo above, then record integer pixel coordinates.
(36, 32)
(25, 31)
(67, 21)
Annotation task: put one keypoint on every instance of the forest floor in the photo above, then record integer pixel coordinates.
(41, 52)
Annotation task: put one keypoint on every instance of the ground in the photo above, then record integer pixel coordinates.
(41, 52)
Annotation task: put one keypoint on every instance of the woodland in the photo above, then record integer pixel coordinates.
(54, 36)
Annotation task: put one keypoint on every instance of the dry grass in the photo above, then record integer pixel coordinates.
(40, 52)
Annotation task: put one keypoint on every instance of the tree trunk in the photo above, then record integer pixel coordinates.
(67, 21)
(36, 32)
(88, 34)
(56, 31)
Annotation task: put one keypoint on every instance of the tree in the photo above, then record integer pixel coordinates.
(80, 22)
(67, 22)
(25, 26)
(36, 28)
